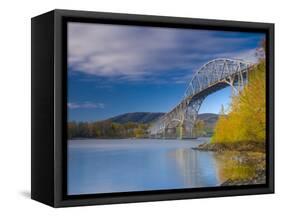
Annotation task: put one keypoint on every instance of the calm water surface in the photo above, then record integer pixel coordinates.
(122, 165)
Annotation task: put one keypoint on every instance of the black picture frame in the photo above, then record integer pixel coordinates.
(49, 107)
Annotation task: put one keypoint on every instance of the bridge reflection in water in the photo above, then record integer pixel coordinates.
(211, 77)
(197, 168)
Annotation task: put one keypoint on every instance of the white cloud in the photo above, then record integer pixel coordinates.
(85, 105)
(248, 55)
(134, 53)
(107, 50)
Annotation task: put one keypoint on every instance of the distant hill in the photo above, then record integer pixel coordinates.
(210, 119)
(136, 117)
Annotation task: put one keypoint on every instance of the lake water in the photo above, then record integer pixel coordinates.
(124, 165)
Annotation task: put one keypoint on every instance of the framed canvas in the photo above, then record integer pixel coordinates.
(134, 108)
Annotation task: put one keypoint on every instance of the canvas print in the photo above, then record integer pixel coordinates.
(154, 108)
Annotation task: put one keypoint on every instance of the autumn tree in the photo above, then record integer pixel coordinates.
(246, 121)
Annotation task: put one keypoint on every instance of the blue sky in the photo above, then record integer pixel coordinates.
(115, 69)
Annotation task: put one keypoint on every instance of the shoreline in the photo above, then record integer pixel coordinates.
(85, 138)
(243, 156)
(249, 147)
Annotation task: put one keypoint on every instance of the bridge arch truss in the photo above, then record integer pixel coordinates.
(211, 77)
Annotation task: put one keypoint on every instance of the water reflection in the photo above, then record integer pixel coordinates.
(239, 168)
(197, 168)
(102, 166)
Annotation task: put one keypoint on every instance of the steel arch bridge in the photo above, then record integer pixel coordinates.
(211, 77)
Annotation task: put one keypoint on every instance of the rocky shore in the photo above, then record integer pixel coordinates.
(259, 178)
(250, 147)
(244, 155)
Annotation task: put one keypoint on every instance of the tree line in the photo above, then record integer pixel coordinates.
(106, 129)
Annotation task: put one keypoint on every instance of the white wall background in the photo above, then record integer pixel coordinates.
(15, 106)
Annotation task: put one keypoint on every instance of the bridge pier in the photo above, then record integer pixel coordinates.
(179, 131)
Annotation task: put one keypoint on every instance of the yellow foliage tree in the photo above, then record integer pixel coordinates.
(246, 121)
